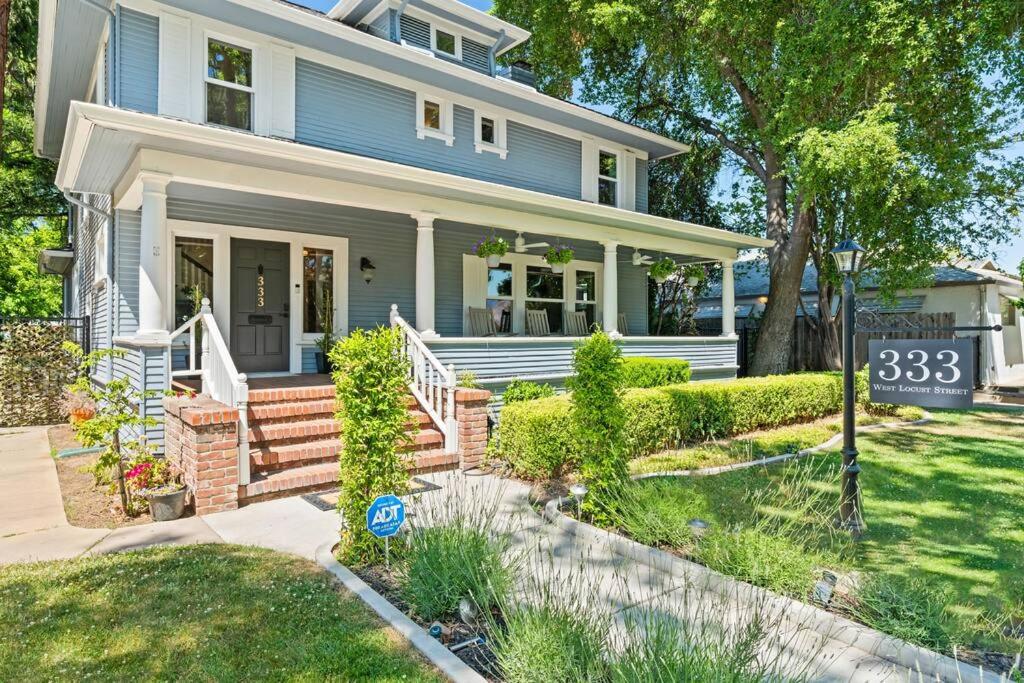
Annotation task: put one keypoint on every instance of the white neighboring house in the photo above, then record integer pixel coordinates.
(977, 293)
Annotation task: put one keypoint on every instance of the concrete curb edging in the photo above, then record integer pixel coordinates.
(929, 664)
(438, 655)
(832, 441)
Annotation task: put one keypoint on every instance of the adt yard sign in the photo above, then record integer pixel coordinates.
(932, 373)
(385, 516)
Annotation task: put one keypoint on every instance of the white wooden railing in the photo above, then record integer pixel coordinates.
(430, 382)
(221, 380)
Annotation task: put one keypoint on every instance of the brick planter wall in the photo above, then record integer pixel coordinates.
(471, 413)
(201, 438)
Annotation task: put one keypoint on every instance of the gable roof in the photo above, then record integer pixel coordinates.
(752, 279)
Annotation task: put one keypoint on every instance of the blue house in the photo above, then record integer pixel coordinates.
(308, 171)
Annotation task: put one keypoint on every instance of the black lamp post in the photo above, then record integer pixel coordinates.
(848, 255)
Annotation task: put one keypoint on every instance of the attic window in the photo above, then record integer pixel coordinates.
(446, 43)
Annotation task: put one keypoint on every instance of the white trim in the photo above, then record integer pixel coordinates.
(447, 114)
(617, 179)
(474, 281)
(688, 341)
(254, 75)
(222, 234)
(173, 72)
(382, 7)
(44, 61)
(434, 28)
(500, 144)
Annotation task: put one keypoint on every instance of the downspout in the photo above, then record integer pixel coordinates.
(111, 48)
(86, 207)
(492, 54)
(398, 20)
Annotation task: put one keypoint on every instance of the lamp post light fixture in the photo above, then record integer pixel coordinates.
(849, 256)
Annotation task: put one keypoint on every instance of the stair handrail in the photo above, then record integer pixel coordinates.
(430, 382)
(221, 379)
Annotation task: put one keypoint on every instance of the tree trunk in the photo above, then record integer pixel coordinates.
(830, 348)
(5, 22)
(786, 261)
(116, 445)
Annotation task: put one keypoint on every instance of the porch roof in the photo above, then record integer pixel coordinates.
(109, 149)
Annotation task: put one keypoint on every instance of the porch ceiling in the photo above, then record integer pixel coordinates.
(106, 150)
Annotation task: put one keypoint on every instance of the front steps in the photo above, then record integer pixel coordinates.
(294, 442)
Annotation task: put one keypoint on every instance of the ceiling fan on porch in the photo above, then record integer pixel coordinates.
(522, 247)
(639, 259)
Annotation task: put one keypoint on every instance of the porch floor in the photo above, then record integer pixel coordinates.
(264, 383)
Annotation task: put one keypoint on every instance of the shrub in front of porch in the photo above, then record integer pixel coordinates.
(370, 373)
(644, 373)
(536, 441)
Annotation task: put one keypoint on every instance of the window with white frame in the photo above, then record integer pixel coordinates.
(446, 43)
(586, 294)
(229, 85)
(490, 134)
(501, 296)
(434, 118)
(545, 291)
(608, 178)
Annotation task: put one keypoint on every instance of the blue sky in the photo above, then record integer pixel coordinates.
(1007, 255)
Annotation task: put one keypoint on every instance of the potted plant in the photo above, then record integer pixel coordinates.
(557, 256)
(491, 248)
(663, 269)
(325, 317)
(156, 481)
(78, 405)
(694, 274)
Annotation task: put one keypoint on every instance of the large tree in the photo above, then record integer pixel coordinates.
(786, 87)
(32, 210)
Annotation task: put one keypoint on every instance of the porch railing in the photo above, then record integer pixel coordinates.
(221, 380)
(430, 382)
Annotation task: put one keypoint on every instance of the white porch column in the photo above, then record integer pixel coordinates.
(425, 275)
(728, 299)
(153, 256)
(611, 289)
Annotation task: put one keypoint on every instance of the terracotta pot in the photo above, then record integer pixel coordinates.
(82, 414)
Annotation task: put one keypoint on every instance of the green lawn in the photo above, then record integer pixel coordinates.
(759, 444)
(944, 504)
(198, 613)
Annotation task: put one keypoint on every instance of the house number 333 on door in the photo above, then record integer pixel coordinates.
(261, 299)
(935, 373)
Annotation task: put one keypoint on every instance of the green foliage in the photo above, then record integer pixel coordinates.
(521, 390)
(695, 272)
(451, 561)
(370, 375)
(559, 255)
(598, 419)
(662, 269)
(116, 420)
(644, 373)
(534, 440)
(491, 246)
(914, 609)
(551, 642)
(774, 561)
(467, 379)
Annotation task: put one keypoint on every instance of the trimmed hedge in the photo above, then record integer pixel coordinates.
(521, 390)
(537, 439)
(645, 373)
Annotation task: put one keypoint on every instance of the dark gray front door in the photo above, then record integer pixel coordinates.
(259, 305)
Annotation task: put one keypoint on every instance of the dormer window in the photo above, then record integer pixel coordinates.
(490, 134)
(447, 43)
(434, 118)
(229, 91)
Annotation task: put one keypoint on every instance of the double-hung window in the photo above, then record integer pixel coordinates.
(608, 178)
(434, 118)
(229, 85)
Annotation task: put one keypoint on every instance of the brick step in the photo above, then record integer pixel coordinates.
(269, 412)
(280, 395)
(419, 419)
(294, 431)
(276, 457)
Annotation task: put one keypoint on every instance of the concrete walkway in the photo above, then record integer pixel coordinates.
(587, 573)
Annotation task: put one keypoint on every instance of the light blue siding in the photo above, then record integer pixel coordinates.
(309, 359)
(382, 26)
(415, 32)
(642, 186)
(476, 56)
(342, 111)
(138, 60)
(126, 271)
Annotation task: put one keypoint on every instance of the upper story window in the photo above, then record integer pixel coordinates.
(490, 134)
(434, 118)
(229, 91)
(446, 43)
(608, 178)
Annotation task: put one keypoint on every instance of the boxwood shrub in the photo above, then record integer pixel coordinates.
(643, 373)
(537, 439)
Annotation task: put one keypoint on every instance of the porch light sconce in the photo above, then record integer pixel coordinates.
(368, 269)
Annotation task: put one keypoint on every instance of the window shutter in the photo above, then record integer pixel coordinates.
(589, 171)
(282, 94)
(474, 286)
(627, 176)
(175, 85)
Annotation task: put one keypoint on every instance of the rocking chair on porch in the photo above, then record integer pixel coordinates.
(481, 323)
(576, 324)
(537, 324)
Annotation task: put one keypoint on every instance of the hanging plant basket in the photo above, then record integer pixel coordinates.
(694, 275)
(492, 249)
(557, 257)
(662, 270)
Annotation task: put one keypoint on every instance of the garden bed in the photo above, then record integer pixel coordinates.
(88, 504)
(940, 565)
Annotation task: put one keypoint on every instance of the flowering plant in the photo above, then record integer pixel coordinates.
(559, 255)
(491, 246)
(148, 475)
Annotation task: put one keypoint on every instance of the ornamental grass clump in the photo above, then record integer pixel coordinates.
(910, 608)
(551, 642)
(370, 373)
(598, 421)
